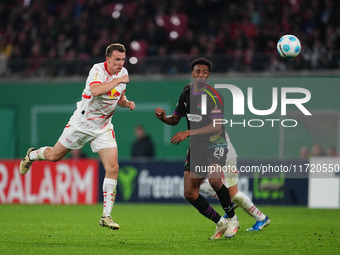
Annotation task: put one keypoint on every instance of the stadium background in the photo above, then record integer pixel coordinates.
(44, 108)
(48, 47)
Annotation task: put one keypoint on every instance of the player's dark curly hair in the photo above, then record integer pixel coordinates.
(201, 61)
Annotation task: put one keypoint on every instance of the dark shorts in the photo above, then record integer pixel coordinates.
(200, 158)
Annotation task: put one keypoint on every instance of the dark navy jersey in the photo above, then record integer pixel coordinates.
(190, 105)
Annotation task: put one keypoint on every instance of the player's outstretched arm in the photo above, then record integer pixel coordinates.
(98, 89)
(209, 129)
(180, 136)
(170, 120)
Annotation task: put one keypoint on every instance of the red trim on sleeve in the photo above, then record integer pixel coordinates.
(86, 96)
(105, 65)
(95, 82)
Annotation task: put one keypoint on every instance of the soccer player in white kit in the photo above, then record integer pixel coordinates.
(91, 122)
(230, 180)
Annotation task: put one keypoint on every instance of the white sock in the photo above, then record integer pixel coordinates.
(38, 154)
(247, 205)
(109, 192)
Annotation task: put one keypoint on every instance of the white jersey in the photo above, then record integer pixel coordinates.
(94, 114)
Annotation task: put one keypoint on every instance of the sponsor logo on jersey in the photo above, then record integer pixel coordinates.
(216, 110)
(113, 93)
(194, 117)
(95, 77)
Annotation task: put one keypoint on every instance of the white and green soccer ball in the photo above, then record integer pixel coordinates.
(289, 46)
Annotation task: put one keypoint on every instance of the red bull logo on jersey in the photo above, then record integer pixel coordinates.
(113, 93)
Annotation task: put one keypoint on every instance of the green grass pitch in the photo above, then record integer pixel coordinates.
(162, 229)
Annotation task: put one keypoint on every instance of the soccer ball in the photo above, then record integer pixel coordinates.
(289, 46)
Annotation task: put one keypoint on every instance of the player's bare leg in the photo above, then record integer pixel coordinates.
(191, 193)
(224, 197)
(230, 180)
(109, 158)
(44, 153)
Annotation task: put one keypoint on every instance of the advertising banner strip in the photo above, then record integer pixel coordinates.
(63, 182)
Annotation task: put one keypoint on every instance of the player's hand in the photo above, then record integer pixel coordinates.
(160, 113)
(179, 137)
(124, 79)
(131, 105)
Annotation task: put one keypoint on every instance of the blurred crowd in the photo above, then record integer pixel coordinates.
(237, 35)
(317, 151)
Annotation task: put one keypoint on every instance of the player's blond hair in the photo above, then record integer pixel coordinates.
(112, 47)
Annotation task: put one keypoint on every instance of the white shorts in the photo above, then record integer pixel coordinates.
(231, 177)
(75, 138)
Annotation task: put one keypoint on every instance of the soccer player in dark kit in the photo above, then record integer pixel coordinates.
(208, 146)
